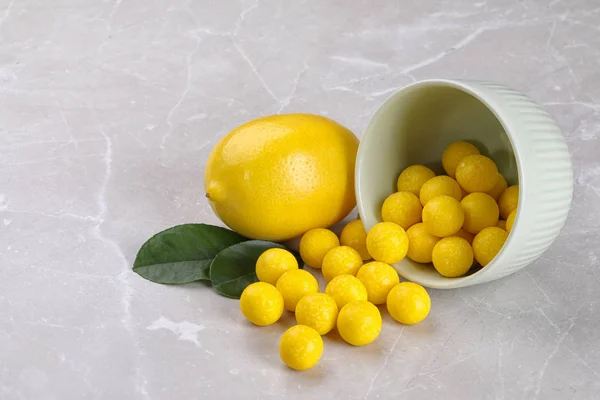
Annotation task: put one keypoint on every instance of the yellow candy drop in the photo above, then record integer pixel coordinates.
(379, 278)
(354, 235)
(509, 200)
(510, 221)
(317, 310)
(498, 188)
(301, 347)
(387, 242)
(315, 244)
(420, 243)
(408, 303)
(402, 208)
(488, 243)
(480, 210)
(476, 173)
(454, 153)
(452, 257)
(341, 260)
(438, 186)
(345, 289)
(443, 216)
(359, 323)
(413, 177)
(294, 285)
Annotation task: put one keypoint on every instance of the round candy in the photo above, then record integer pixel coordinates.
(315, 244)
(261, 303)
(301, 347)
(273, 263)
(476, 173)
(317, 310)
(488, 243)
(443, 216)
(480, 210)
(387, 242)
(359, 323)
(420, 243)
(341, 260)
(408, 303)
(413, 177)
(354, 235)
(402, 208)
(345, 289)
(438, 186)
(498, 188)
(454, 153)
(294, 285)
(379, 278)
(509, 200)
(452, 257)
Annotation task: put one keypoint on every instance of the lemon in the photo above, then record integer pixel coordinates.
(454, 153)
(499, 187)
(438, 186)
(465, 235)
(408, 303)
(359, 323)
(452, 257)
(261, 303)
(481, 211)
(413, 177)
(501, 224)
(315, 244)
(317, 310)
(509, 200)
(273, 263)
(402, 208)
(301, 347)
(379, 278)
(488, 243)
(279, 176)
(341, 260)
(354, 235)
(387, 242)
(510, 221)
(476, 173)
(295, 284)
(420, 243)
(443, 216)
(345, 289)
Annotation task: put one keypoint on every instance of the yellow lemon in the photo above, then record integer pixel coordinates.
(315, 244)
(387, 242)
(452, 257)
(465, 235)
(498, 188)
(273, 263)
(379, 278)
(279, 176)
(443, 216)
(408, 303)
(341, 260)
(300, 347)
(438, 186)
(420, 243)
(345, 289)
(317, 310)
(481, 211)
(261, 303)
(501, 224)
(476, 173)
(413, 177)
(510, 221)
(454, 153)
(359, 323)
(509, 200)
(488, 243)
(354, 235)
(402, 208)
(294, 285)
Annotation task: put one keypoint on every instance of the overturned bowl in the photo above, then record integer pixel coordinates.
(416, 124)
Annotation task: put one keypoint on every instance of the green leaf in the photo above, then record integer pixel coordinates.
(234, 268)
(183, 253)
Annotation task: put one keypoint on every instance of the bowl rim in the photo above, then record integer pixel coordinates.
(466, 86)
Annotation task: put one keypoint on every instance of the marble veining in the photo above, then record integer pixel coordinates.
(108, 111)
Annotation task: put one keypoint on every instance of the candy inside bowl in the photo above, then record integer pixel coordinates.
(417, 123)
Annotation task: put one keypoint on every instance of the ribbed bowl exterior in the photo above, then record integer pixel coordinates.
(545, 178)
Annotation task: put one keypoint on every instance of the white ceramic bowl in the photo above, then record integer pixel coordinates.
(415, 125)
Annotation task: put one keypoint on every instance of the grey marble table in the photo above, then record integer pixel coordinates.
(108, 111)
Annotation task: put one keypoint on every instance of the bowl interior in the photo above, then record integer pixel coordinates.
(414, 126)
